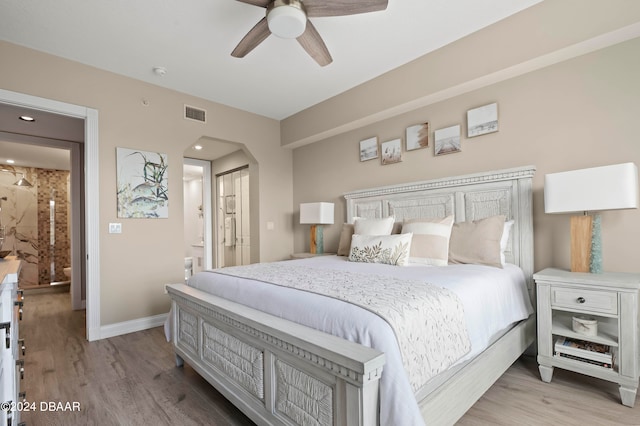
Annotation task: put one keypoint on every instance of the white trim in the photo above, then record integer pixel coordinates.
(92, 211)
(92, 215)
(582, 48)
(132, 326)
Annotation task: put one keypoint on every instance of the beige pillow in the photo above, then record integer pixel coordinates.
(344, 246)
(363, 226)
(430, 242)
(477, 242)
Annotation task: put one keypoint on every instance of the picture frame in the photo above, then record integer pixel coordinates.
(391, 151)
(230, 204)
(142, 184)
(417, 136)
(447, 140)
(482, 120)
(369, 149)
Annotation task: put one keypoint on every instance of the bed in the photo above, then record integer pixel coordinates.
(282, 372)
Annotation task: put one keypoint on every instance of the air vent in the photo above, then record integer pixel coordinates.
(195, 114)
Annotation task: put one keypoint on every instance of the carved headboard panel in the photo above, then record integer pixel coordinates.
(468, 197)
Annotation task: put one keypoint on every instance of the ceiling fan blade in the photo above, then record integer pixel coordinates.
(261, 3)
(254, 37)
(318, 8)
(311, 41)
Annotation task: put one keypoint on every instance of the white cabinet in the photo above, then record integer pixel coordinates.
(609, 298)
(11, 366)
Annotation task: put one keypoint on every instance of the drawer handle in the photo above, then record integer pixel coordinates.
(581, 299)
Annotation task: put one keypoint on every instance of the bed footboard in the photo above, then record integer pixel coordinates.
(275, 371)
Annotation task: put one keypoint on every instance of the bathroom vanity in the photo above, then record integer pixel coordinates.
(11, 348)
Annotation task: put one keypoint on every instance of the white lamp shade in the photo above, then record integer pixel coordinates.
(594, 189)
(316, 213)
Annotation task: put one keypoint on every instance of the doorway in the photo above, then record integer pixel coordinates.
(197, 216)
(233, 228)
(89, 261)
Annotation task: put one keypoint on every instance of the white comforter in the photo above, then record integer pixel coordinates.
(493, 299)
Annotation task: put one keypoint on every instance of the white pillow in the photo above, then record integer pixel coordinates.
(364, 226)
(504, 241)
(430, 243)
(389, 249)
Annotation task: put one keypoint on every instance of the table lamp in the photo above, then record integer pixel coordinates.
(590, 190)
(316, 214)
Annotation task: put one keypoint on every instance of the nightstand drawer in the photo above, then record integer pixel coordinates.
(588, 300)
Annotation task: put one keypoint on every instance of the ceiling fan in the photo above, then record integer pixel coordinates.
(290, 19)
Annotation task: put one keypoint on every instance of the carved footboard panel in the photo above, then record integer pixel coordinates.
(275, 371)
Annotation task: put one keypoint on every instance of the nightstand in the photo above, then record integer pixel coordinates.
(307, 255)
(611, 299)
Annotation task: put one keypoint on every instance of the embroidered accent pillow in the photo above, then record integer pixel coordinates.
(364, 226)
(389, 249)
(430, 242)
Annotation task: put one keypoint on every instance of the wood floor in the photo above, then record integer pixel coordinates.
(132, 380)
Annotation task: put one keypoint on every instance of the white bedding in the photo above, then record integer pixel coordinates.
(493, 299)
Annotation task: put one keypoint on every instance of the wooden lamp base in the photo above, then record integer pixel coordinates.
(316, 245)
(581, 228)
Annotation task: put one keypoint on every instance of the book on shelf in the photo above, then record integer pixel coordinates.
(585, 360)
(584, 349)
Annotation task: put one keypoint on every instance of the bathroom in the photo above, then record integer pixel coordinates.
(35, 220)
(217, 214)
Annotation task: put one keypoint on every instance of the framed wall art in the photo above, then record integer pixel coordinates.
(482, 120)
(417, 136)
(142, 183)
(369, 149)
(230, 204)
(391, 151)
(447, 140)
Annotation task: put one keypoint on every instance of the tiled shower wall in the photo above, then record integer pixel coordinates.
(26, 218)
(53, 185)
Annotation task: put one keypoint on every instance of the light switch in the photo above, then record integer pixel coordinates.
(270, 226)
(115, 228)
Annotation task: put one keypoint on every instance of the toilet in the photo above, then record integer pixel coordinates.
(67, 272)
(188, 268)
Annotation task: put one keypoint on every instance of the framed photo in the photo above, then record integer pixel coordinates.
(482, 120)
(447, 140)
(369, 149)
(391, 151)
(417, 136)
(230, 204)
(142, 182)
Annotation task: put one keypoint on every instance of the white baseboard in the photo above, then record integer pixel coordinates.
(132, 326)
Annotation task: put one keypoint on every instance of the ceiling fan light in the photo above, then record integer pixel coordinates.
(287, 21)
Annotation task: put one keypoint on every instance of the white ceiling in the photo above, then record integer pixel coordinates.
(193, 41)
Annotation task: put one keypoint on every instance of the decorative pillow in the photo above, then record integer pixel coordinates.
(364, 226)
(390, 249)
(477, 242)
(504, 241)
(344, 246)
(430, 242)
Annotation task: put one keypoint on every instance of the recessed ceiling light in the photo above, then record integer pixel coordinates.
(11, 161)
(27, 118)
(197, 147)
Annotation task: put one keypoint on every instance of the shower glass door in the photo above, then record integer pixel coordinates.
(232, 219)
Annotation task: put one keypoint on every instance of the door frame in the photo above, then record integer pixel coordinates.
(91, 193)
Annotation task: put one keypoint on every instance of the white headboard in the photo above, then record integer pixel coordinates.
(468, 197)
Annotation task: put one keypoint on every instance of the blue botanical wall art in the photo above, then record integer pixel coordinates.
(142, 184)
